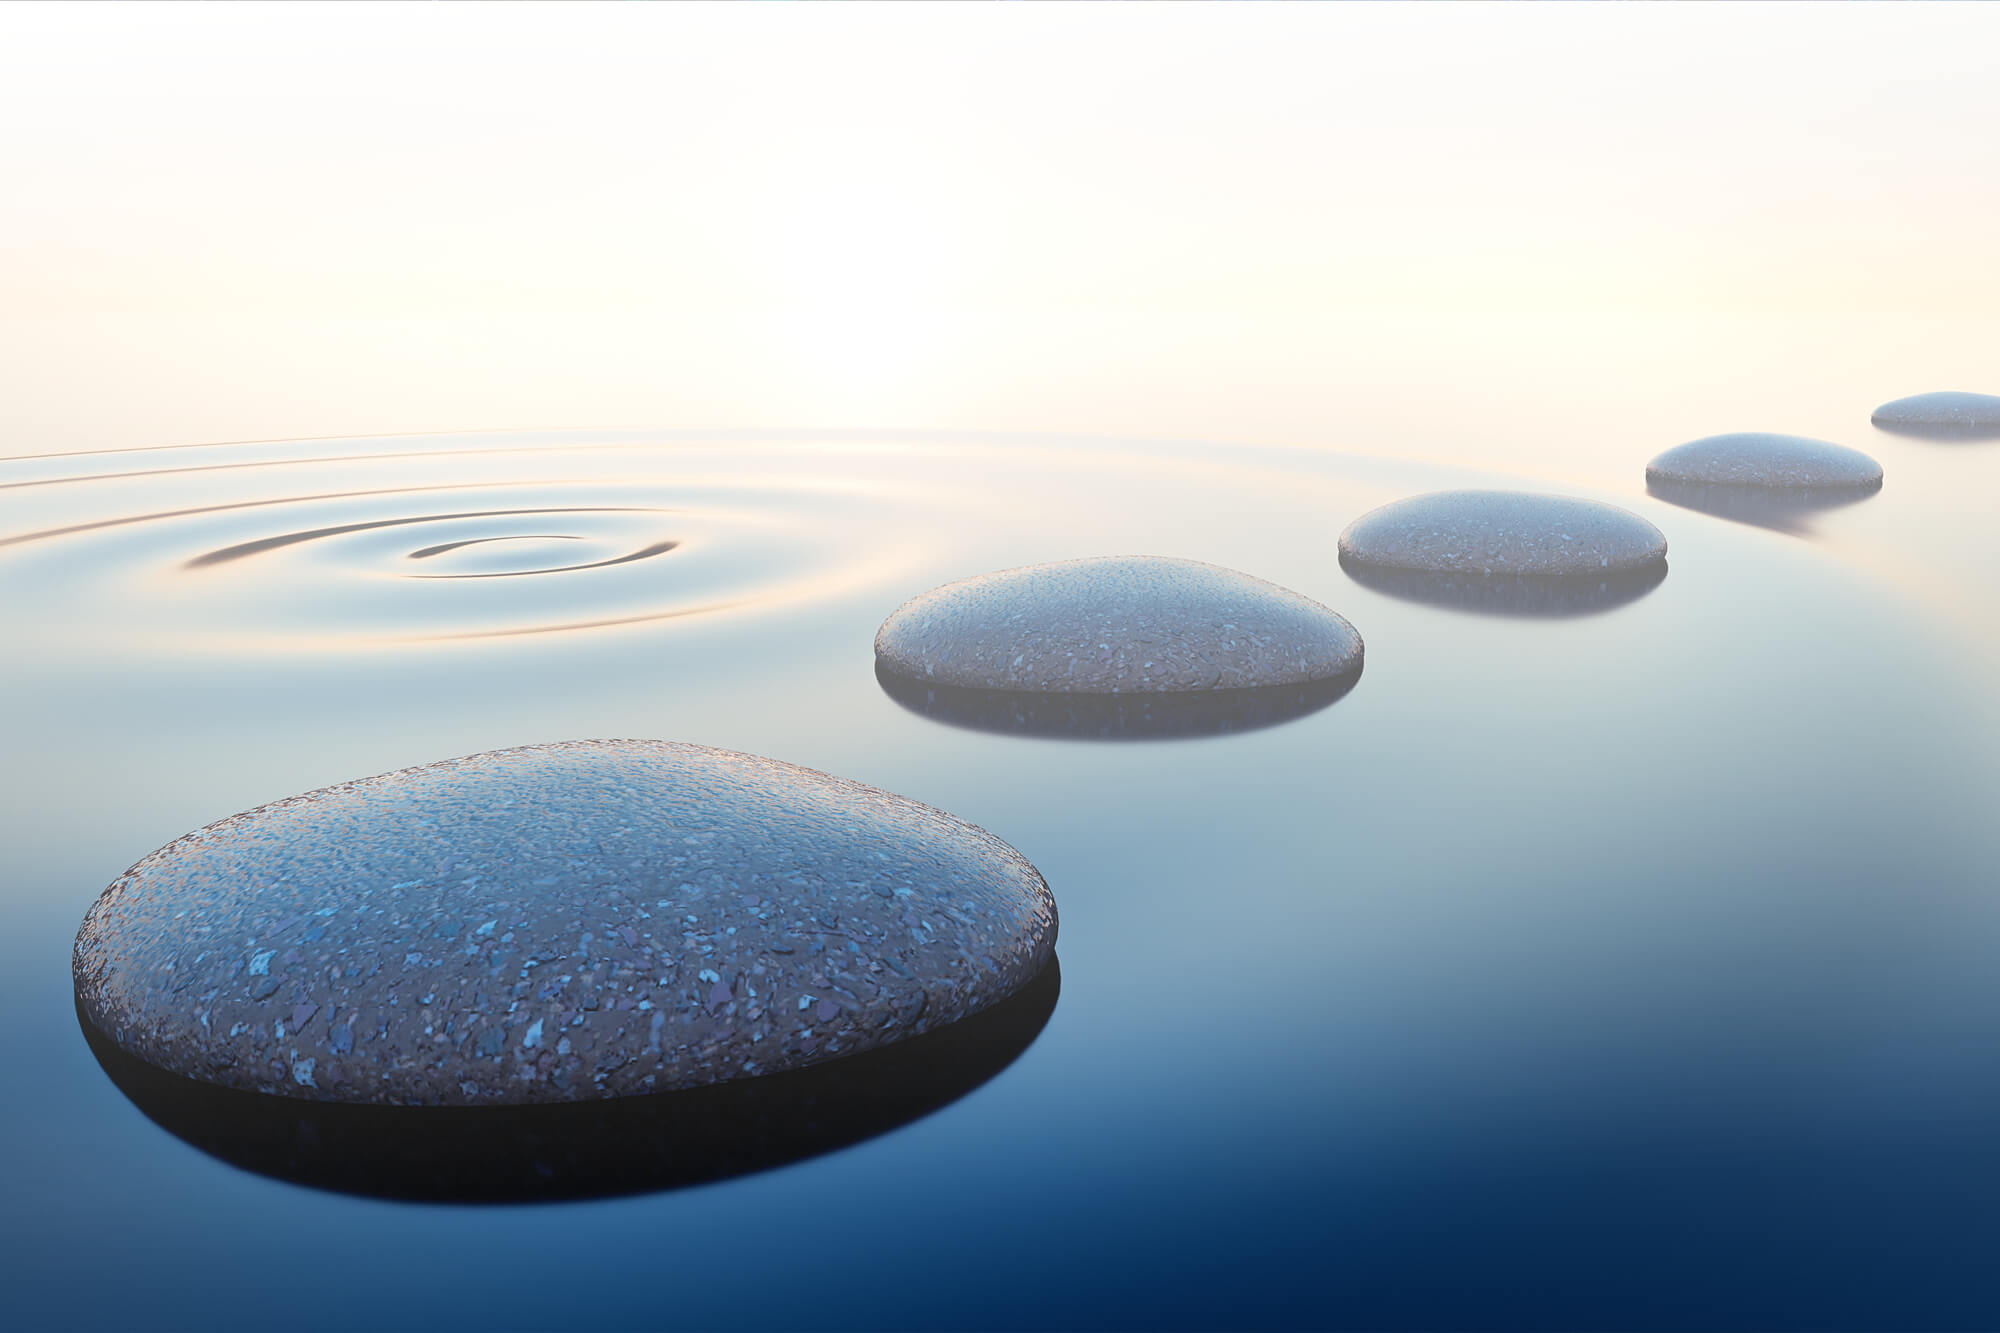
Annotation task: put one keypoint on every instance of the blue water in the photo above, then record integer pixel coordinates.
(1624, 968)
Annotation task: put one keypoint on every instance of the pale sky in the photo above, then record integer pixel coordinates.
(1258, 222)
(906, 158)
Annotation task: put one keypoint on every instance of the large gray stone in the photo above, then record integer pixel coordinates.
(1142, 624)
(1789, 462)
(1503, 534)
(1941, 409)
(558, 922)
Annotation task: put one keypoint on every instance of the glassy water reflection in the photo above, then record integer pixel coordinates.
(1575, 969)
(1510, 595)
(1782, 509)
(274, 565)
(1941, 432)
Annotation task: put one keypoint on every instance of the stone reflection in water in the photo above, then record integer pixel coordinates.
(1510, 595)
(628, 1145)
(1115, 717)
(1774, 507)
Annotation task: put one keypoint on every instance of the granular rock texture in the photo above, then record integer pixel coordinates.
(553, 923)
(594, 1147)
(1140, 624)
(1790, 462)
(1941, 409)
(1502, 533)
(1131, 716)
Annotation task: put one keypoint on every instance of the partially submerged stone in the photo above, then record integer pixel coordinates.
(596, 1147)
(1779, 462)
(1116, 626)
(1971, 410)
(554, 923)
(1504, 534)
(1131, 716)
(1780, 482)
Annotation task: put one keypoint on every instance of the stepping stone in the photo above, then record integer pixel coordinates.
(1774, 481)
(1502, 533)
(1969, 410)
(1129, 625)
(556, 923)
(1777, 462)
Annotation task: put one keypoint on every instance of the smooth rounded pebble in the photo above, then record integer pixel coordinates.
(1502, 533)
(555, 923)
(1756, 459)
(1140, 624)
(1940, 409)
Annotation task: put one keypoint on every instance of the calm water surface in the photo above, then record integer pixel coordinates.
(1627, 966)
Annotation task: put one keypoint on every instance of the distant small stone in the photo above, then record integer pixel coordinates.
(664, 911)
(1941, 409)
(1790, 462)
(1116, 626)
(1502, 534)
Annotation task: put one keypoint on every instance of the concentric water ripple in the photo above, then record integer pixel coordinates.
(376, 544)
(281, 545)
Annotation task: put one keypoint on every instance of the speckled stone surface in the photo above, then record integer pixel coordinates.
(1116, 625)
(553, 923)
(594, 1147)
(1132, 716)
(1940, 409)
(1505, 533)
(1790, 462)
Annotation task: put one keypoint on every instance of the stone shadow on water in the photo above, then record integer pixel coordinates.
(578, 1150)
(1779, 508)
(1177, 715)
(1536, 596)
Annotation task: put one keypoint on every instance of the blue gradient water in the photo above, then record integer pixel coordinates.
(1630, 968)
